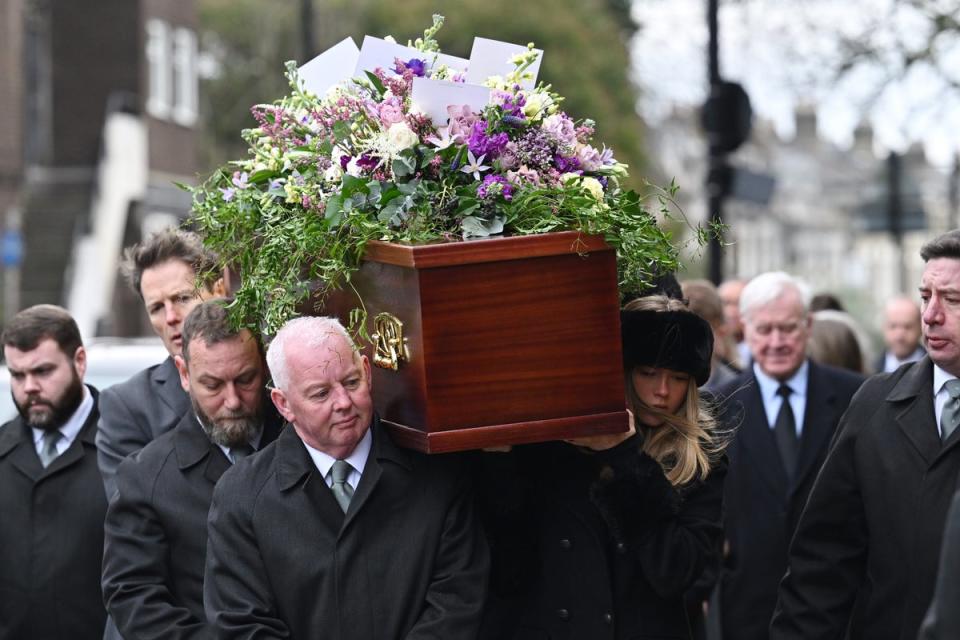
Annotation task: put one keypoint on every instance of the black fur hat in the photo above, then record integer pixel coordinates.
(677, 340)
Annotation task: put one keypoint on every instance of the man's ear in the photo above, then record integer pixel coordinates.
(280, 402)
(184, 372)
(80, 361)
(367, 372)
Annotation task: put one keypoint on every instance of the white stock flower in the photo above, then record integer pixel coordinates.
(593, 186)
(400, 137)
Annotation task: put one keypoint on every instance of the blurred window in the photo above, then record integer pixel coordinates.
(159, 70)
(185, 76)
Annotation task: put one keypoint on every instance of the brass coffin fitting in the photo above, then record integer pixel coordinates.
(390, 344)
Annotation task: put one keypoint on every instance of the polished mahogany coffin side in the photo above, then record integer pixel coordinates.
(511, 340)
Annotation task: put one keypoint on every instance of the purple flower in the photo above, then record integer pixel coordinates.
(240, 179)
(416, 66)
(566, 165)
(495, 185)
(366, 161)
(228, 193)
(344, 161)
(482, 144)
(275, 184)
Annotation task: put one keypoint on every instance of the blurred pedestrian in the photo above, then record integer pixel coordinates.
(786, 409)
(51, 496)
(942, 621)
(333, 530)
(824, 301)
(864, 558)
(833, 341)
(704, 300)
(601, 537)
(730, 291)
(164, 271)
(156, 525)
(901, 334)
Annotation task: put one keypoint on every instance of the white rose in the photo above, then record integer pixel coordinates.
(400, 137)
(593, 186)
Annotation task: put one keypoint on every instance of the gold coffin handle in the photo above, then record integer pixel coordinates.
(390, 345)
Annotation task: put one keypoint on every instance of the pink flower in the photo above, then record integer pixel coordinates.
(390, 114)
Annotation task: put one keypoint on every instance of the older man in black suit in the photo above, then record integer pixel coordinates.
(51, 496)
(334, 531)
(156, 526)
(786, 408)
(163, 271)
(864, 558)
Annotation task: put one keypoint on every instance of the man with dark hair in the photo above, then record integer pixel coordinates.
(51, 497)
(704, 300)
(156, 534)
(333, 530)
(864, 559)
(172, 273)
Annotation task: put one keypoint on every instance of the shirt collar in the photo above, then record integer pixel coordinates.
(357, 459)
(769, 385)
(940, 378)
(71, 428)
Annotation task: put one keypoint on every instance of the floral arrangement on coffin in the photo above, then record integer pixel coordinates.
(327, 174)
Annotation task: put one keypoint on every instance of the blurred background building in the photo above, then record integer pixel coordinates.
(100, 103)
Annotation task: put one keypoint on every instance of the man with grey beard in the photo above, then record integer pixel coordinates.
(51, 497)
(156, 525)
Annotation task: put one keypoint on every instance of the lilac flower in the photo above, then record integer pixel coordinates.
(240, 179)
(495, 185)
(482, 144)
(474, 165)
(228, 193)
(275, 184)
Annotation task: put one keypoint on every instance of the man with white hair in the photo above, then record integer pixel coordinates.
(333, 530)
(785, 409)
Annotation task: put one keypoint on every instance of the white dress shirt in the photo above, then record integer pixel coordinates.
(357, 460)
(772, 401)
(71, 428)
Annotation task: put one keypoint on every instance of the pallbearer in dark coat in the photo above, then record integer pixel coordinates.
(333, 531)
(156, 526)
(864, 560)
(601, 537)
(767, 485)
(163, 271)
(51, 497)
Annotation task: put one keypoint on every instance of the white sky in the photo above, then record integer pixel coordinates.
(783, 51)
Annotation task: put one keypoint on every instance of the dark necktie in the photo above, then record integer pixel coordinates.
(950, 415)
(240, 452)
(785, 432)
(342, 490)
(48, 450)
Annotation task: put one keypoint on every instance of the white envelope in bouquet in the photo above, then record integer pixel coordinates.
(331, 67)
(377, 52)
(432, 97)
(492, 58)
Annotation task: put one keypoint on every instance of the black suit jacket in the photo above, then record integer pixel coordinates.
(406, 561)
(761, 507)
(867, 547)
(51, 537)
(942, 621)
(156, 534)
(135, 412)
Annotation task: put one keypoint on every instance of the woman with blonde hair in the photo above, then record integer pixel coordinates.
(603, 536)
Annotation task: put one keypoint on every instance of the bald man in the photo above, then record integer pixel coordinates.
(901, 334)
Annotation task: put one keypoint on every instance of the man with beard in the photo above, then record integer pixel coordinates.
(156, 532)
(51, 496)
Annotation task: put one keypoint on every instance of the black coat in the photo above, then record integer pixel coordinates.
(408, 560)
(156, 533)
(51, 538)
(135, 412)
(593, 544)
(942, 621)
(761, 508)
(867, 548)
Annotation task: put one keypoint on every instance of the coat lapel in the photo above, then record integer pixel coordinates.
(16, 442)
(167, 380)
(382, 451)
(819, 418)
(295, 468)
(757, 439)
(912, 400)
(193, 447)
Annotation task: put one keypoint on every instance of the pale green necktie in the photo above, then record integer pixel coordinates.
(342, 490)
(48, 451)
(951, 410)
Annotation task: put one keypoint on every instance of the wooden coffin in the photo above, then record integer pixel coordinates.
(510, 340)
